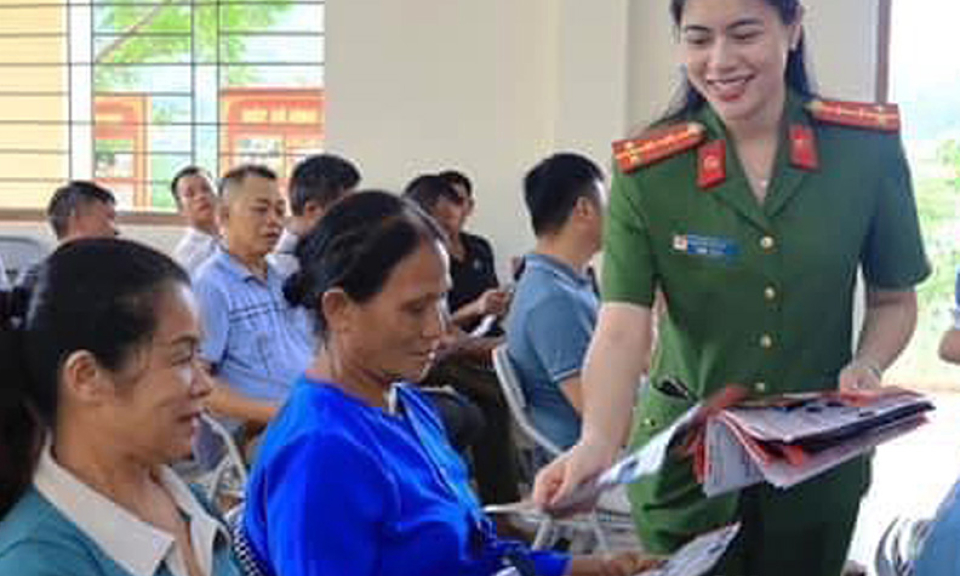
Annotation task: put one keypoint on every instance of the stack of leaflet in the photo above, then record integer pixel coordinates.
(786, 440)
(782, 440)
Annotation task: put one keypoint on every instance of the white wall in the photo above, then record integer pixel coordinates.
(488, 86)
(492, 86)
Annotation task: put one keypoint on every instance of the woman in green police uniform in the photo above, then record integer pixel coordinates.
(751, 209)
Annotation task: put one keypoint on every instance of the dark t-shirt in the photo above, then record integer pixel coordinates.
(473, 275)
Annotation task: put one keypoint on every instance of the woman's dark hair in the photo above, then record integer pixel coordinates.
(98, 295)
(688, 100)
(355, 247)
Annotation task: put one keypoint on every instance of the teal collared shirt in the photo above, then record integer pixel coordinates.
(62, 527)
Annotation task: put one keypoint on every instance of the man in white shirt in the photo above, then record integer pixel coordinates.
(193, 190)
(317, 183)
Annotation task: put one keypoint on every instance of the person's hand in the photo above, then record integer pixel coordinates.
(619, 564)
(556, 481)
(861, 378)
(495, 301)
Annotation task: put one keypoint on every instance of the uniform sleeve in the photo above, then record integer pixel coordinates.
(893, 256)
(325, 504)
(214, 320)
(559, 332)
(628, 269)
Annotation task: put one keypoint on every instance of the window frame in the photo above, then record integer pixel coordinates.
(85, 100)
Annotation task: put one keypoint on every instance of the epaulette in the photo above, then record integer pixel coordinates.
(884, 117)
(657, 145)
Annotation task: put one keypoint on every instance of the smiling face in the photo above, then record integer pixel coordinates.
(735, 53)
(155, 402)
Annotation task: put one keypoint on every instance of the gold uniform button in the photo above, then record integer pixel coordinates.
(766, 341)
(770, 293)
(760, 387)
(767, 243)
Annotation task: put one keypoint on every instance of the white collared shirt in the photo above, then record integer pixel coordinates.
(282, 258)
(194, 248)
(135, 545)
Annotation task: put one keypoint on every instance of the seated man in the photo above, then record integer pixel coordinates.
(555, 305)
(475, 293)
(255, 344)
(463, 361)
(317, 183)
(192, 189)
(79, 209)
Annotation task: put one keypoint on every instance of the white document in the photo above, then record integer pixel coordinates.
(736, 456)
(729, 466)
(644, 461)
(818, 414)
(698, 556)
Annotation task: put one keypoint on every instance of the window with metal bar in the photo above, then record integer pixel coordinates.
(129, 91)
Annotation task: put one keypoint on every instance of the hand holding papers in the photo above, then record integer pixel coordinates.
(783, 440)
(649, 458)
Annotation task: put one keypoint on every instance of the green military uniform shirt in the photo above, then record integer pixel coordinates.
(757, 294)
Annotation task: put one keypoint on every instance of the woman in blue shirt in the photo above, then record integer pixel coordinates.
(101, 390)
(355, 475)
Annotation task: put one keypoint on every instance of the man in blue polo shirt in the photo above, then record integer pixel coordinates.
(255, 344)
(555, 306)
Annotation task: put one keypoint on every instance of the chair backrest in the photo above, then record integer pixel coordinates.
(19, 253)
(513, 392)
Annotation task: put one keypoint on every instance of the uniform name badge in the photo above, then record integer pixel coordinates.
(715, 247)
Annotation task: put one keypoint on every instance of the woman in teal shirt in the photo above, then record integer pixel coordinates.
(103, 389)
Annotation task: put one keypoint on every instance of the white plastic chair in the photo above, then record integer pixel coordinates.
(20, 253)
(612, 515)
(900, 545)
(228, 477)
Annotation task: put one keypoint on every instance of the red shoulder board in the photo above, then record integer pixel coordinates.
(657, 145)
(885, 117)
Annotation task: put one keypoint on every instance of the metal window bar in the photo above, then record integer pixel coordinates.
(188, 116)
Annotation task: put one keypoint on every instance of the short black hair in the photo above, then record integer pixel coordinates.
(71, 196)
(236, 176)
(323, 178)
(427, 190)
(552, 187)
(183, 173)
(457, 178)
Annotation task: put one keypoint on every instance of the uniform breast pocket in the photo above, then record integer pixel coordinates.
(697, 269)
